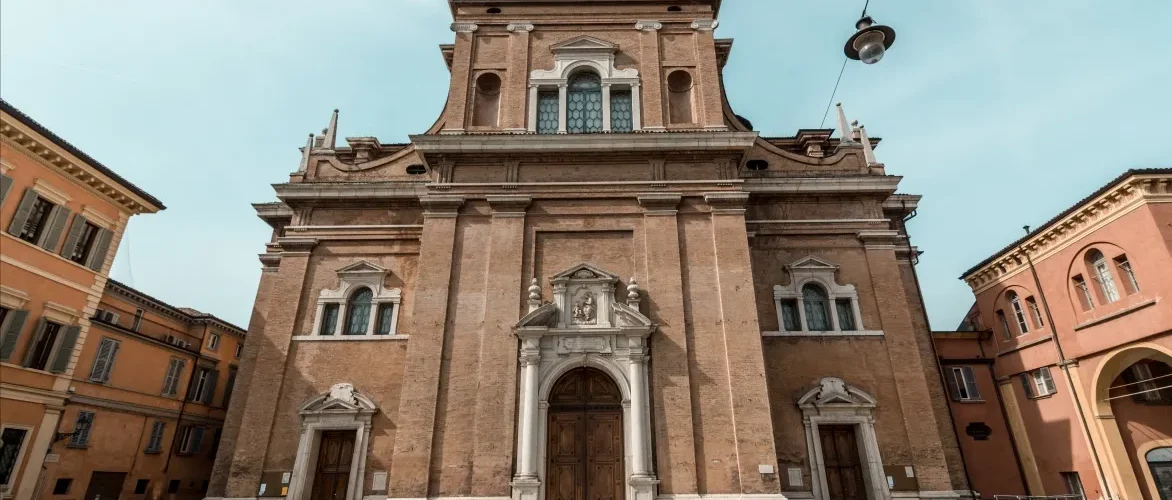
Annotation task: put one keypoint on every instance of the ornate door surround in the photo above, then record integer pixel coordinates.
(585, 326)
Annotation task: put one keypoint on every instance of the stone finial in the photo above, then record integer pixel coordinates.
(843, 129)
(305, 155)
(633, 293)
(330, 134)
(534, 295)
(868, 153)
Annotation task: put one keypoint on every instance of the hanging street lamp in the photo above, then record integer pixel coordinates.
(870, 42)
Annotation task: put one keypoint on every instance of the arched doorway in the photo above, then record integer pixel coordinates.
(585, 438)
(1132, 393)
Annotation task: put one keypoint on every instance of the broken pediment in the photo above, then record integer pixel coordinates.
(834, 392)
(584, 300)
(341, 398)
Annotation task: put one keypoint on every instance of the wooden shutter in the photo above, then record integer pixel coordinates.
(196, 438)
(970, 382)
(5, 186)
(171, 379)
(98, 254)
(11, 333)
(1028, 384)
(56, 224)
(60, 359)
(74, 234)
(228, 387)
(1047, 381)
(22, 212)
(953, 386)
(210, 388)
(191, 395)
(156, 440)
(40, 330)
(101, 360)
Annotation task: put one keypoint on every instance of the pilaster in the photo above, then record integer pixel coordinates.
(671, 402)
(516, 101)
(256, 326)
(751, 420)
(911, 384)
(461, 72)
(651, 112)
(708, 75)
(495, 400)
(270, 351)
(417, 406)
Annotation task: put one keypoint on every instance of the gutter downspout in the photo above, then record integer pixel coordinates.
(1065, 365)
(932, 342)
(183, 403)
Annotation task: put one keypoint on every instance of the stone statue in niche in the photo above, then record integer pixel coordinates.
(585, 310)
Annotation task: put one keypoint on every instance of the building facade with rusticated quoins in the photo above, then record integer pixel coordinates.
(1066, 364)
(589, 278)
(62, 214)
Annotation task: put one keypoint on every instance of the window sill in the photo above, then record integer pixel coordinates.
(1046, 396)
(77, 446)
(348, 338)
(152, 452)
(850, 333)
(1115, 314)
(981, 401)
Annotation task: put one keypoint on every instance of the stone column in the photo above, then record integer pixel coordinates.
(256, 326)
(606, 107)
(37, 449)
(516, 78)
(417, 404)
(526, 485)
(670, 371)
(643, 481)
(492, 459)
(268, 369)
(562, 108)
(752, 427)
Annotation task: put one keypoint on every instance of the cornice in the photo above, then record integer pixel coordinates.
(1086, 218)
(44, 151)
(561, 143)
(882, 184)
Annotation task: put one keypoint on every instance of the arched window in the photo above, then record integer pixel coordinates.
(584, 103)
(1102, 273)
(358, 312)
(1160, 462)
(817, 311)
(679, 100)
(488, 99)
(1018, 312)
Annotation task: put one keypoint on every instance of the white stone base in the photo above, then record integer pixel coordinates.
(525, 488)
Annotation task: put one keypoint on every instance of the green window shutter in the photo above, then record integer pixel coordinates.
(11, 333)
(5, 186)
(28, 352)
(1028, 384)
(22, 212)
(210, 389)
(73, 235)
(98, 255)
(52, 234)
(60, 359)
(197, 438)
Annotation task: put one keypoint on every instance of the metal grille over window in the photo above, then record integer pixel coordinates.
(547, 112)
(620, 111)
(584, 104)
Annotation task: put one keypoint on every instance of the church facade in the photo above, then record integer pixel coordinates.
(589, 279)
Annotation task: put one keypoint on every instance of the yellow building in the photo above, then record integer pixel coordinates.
(62, 215)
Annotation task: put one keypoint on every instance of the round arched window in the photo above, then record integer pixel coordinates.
(816, 302)
(358, 311)
(584, 103)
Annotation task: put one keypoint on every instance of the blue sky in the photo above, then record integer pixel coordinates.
(1000, 112)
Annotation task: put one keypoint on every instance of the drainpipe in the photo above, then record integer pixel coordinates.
(1065, 365)
(931, 342)
(183, 402)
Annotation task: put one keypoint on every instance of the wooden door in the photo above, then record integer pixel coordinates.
(585, 439)
(105, 486)
(333, 465)
(840, 456)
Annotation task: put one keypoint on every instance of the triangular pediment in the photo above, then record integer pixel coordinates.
(584, 42)
(341, 398)
(811, 262)
(833, 391)
(583, 271)
(363, 267)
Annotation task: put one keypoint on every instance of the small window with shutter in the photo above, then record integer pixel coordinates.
(81, 430)
(155, 443)
(104, 360)
(190, 440)
(1038, 383)
(5, 186)
(963, 384)
(41, 349)
(80, 240)
(171, 380)
(32, 217)
(11, 325)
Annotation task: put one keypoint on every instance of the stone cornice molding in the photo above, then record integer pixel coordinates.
(343, 191)
(441, 205)
(509, 205)
(727, 202)
(292, 245)
(648, 25)
(559, 143)
(464, 27)
(520, 26)
(1126, 196)
(660, 203)
(879, 239)
(886, 184)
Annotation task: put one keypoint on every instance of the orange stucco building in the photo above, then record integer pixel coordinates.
(62, 214)
(1061, 380)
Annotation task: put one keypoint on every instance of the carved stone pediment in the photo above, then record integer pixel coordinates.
(834, 392)
(585, 302)
(583, 43)
(340, 399)
(811, 262)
